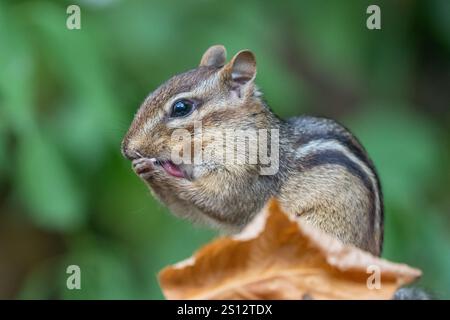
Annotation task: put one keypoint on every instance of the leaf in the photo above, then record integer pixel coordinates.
(276, 257)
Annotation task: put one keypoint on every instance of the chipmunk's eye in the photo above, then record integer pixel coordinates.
(182, 108)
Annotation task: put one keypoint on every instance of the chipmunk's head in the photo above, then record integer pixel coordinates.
(202, 103)
(185, 141)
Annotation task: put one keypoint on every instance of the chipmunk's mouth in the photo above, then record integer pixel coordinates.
(170, 167)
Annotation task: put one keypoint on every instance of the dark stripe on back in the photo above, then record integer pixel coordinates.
(356, 148)
(313, 129)
(338, 158)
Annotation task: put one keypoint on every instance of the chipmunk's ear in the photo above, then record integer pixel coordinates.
(241, 70)
(215, 56)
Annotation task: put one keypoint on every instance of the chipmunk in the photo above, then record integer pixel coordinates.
(324, 175)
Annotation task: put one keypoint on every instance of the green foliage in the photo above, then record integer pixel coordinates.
(68, 96)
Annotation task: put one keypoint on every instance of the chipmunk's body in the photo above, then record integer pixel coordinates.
(323, 175)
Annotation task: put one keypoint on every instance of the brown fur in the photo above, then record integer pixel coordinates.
(325, 177)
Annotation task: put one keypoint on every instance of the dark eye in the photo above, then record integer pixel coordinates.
(182, 108)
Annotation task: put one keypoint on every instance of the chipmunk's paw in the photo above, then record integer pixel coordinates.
(144, 167)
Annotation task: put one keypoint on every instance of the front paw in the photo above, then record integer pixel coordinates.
(144, 168)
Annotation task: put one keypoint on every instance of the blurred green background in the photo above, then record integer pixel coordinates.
(67, 97)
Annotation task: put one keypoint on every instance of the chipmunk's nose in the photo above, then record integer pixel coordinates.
(130, 155)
